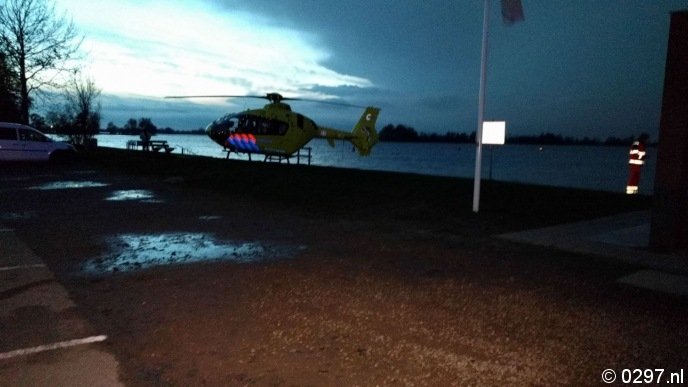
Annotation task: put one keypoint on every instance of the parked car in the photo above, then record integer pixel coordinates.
(23, 143)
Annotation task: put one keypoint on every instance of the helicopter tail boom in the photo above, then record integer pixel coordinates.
(363, 136)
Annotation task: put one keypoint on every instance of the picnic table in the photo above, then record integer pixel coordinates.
(154, 145)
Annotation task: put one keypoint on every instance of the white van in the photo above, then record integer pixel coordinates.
(23, 143)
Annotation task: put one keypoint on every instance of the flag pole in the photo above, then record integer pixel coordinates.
(481, 110)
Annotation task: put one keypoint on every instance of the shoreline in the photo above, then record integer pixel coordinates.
(366, 194)
(582, 167)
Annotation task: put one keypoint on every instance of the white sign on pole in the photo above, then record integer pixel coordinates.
(494, 132)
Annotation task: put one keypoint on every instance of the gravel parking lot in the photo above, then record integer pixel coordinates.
(196, 287)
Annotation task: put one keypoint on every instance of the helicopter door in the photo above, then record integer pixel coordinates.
(299, 121)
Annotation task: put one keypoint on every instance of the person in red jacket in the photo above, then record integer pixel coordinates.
(636, 160)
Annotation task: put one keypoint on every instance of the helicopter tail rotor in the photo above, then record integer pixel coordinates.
(364, 134)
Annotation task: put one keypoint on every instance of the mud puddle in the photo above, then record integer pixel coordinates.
(69, 185)
(142, 195)
(131, 252)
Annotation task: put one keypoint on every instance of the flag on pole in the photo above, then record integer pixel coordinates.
(512, 11)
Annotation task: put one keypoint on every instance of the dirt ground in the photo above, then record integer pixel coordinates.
(299, 300)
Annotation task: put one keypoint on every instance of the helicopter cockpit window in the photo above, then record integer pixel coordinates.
(261, 126)
(225, 125)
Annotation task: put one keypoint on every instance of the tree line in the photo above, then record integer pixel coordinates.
(404, 133)
(136, 127)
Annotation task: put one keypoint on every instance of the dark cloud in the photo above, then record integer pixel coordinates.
(584, 67)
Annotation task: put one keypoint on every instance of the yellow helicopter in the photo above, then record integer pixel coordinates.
(275, 130)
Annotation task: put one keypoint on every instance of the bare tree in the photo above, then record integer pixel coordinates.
(82, 109)
(39, 45)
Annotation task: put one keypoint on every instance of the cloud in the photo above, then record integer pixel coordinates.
(177, 114)
(419, 61)
(156, 48)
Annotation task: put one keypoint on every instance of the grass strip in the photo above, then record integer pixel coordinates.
(440, 203)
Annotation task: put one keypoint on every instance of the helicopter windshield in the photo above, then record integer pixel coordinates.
(223, 127)
(227, 123)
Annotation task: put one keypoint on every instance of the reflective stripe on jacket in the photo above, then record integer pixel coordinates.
(637, 153)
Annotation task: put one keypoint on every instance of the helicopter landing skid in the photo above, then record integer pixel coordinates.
(302, 154)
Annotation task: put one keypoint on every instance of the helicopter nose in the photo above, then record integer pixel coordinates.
(216, 133)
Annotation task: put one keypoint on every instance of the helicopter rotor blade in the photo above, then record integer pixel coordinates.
(213, 96)
(272, 97)
(324, 102)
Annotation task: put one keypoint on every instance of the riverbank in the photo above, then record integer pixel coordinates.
(442, 203)
(584, 167)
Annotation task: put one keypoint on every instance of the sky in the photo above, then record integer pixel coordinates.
(584, 68)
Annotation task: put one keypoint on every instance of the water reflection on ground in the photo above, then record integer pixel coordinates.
(17, 215)
(129, 252)
(209, 217)
(133, 194)
(69, 185)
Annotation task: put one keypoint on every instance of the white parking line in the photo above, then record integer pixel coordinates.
(6, 230)
(50, 347)
(20, 267)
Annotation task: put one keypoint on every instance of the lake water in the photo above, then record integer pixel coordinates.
(590, 167)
